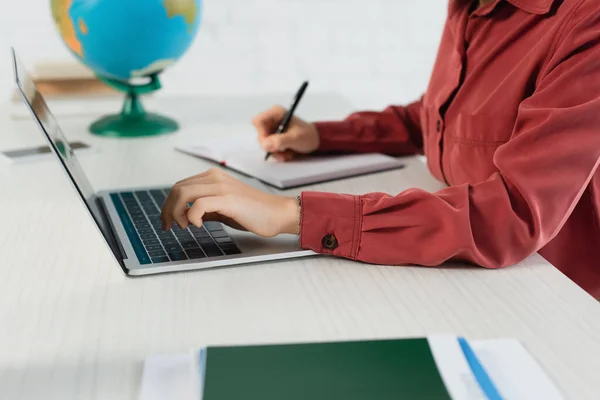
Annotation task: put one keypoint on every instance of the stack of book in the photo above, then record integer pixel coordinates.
(443, 367)
(71, 89)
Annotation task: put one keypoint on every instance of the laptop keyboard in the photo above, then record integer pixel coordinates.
(140, 213)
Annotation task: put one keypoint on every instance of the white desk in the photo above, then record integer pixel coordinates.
(72, 326)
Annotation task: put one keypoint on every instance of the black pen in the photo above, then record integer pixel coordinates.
(287, 118)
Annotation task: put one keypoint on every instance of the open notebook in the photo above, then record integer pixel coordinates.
(244, 155)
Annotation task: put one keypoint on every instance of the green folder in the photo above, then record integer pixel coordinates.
(382, 369)
(436, 367)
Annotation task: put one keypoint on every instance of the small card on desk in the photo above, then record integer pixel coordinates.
(244, 155)
(442, 367)
(39, 152)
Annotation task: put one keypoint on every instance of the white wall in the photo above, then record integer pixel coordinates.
(374, 52)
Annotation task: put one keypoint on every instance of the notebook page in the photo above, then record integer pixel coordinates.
(243, 154)
(224, 148)
(247, 157)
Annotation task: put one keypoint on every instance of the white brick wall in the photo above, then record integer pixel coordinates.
(374, 52)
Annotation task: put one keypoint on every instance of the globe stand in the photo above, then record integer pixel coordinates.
(134, 121)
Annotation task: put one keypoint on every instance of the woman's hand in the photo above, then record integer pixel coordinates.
(300, 138)
(216, 196)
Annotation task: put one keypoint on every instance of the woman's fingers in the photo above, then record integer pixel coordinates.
(206, 206)
(280, 142)
(266, 122)
(285, 156)
(230, 222)
(175, 207)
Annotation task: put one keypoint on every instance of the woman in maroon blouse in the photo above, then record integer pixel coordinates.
(510, 121)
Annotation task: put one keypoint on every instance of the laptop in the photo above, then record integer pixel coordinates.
(129, 220)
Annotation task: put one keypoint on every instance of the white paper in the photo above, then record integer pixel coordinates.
(514, 371)
(454, 369)
(174, 376)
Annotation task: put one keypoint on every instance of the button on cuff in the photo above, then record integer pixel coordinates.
(329, 242)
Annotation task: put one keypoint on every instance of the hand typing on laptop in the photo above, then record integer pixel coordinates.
(216, 196)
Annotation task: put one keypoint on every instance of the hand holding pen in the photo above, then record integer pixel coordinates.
(282, 134)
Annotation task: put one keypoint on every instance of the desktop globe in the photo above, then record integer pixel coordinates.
(128, 44)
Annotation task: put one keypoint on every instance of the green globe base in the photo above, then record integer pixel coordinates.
(120, 125)
(134, 121)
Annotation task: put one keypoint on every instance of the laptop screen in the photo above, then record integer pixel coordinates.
(49, 126)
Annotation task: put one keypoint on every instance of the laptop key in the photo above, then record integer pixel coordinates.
(178, 256)
(148, 236)
(160, 202)
(230, 250)
(205, 240)
(153, 247)
(163, 236)
(142, 195)
(158, 260)
(157, 193)
(133, 207)
(199, 232)
(219, 234)
(149, 207)
(190, 245)
(156, 253)
(212, 250)
(222, 240)
(195, 253)
(212, 225)
(185, 236)
(151, 242)
(202, 235)
(173, 248)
